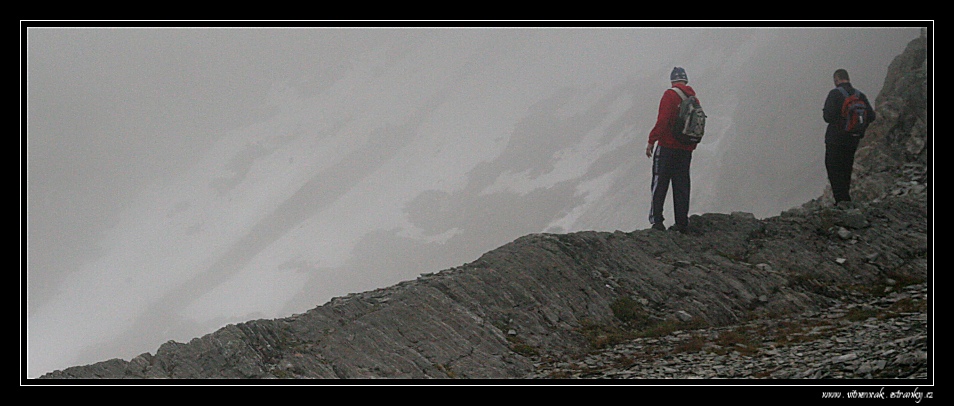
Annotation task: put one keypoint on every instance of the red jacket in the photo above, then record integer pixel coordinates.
(668, 110)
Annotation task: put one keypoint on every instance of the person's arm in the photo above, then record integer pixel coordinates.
(664, 119)
(832, 111)
(871, 116)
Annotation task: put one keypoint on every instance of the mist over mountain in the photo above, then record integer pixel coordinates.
(181, 180)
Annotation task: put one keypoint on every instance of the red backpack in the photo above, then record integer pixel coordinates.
(855, 112)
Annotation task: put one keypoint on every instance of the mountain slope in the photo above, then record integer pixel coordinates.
(558, 293)
(540, 293)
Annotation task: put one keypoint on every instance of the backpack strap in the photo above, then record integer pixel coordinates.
(682, 95)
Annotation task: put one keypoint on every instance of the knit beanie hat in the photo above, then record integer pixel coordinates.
(678, 74)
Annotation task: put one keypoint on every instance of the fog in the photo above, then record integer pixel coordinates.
(179, 180)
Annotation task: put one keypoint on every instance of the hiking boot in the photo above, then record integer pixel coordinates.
(659, 227)
(679, 228)
(846, 204)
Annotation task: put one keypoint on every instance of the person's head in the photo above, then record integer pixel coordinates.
(678, 75)
(841, 76)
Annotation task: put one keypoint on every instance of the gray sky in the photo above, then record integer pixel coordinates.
(181, 179)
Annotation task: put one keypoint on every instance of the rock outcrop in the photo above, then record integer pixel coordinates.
(879, 338)
(542, 305)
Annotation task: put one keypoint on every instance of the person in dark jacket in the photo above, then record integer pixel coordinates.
(840, 145)
(671, 158)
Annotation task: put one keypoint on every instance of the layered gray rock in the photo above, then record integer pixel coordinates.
(540, 294)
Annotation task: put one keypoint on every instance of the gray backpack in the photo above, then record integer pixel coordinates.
(691, 122)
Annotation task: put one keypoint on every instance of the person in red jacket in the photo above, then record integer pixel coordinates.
(671, 158)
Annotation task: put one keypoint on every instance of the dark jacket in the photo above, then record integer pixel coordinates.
(835, 133)
(666, 119)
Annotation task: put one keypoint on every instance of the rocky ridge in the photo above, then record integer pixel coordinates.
(880, 338)
(816, 292)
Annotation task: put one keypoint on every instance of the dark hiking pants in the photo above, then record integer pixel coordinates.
(839, 160)
(670, 165)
